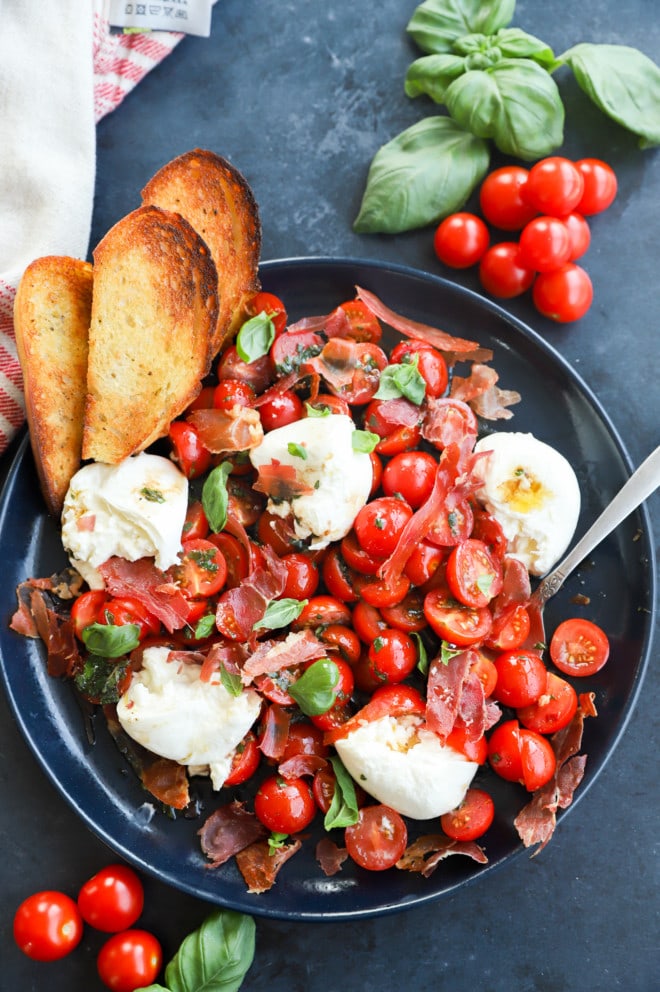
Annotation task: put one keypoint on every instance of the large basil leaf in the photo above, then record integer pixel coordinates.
(432, 74)
(215, 498)
(516, 103)
(624, 83)
(436, 24)
(425, 173)
(214, 958)
(516, 44)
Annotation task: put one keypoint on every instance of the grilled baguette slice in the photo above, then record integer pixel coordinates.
(51, 319)
(154, 310)
(217, 201)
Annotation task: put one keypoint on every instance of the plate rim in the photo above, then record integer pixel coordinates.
(264, 909)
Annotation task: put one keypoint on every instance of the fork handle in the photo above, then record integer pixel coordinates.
(644, 481)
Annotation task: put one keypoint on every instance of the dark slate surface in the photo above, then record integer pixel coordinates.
(299, 96)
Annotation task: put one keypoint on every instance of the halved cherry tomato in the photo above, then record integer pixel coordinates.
(450, 527)
(187, 450)
(129, 960)
(275, 686)
(357, 558)
(258, 374)
(284, 807)
(112, 899)
(277, 532)
(367, 621)
(327, 401)
(122, 610)
(47, 925)
(474, 750)
(473, 574)
(401, 439)
(431, 365)
(553, 710)
(245, 761)
(378, 839)
(521, 755)
(521, 678)
(486, 673)
(424, 562)
(364, 326)
(385, 593)
(455, 623)
(203, 569)
(346, 641)
(392, 656)
(322, 610)
(339, 579)
(410, 474)
(237, 558)
(86, 609)
(408, 615)
(292, 348)
(471, 818)
(510, 629)
(579, 647)
(195, 525)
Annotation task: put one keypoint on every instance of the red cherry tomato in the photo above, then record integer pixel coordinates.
(270, 304)
(501, 273)
(320, 611)
(554, 186)
(357, 558)
(124, 610)
(509, 630)
(384, 593)
(553, 710)
(367, 621)
(329, 402)
(203, 569)
(545, 244)
(277, 533)
(187, 450)
(401, 439)
(236, 557)
(363, 325)
(455, 623)
(460, 240)
(112, 899)
(473, 574)
(195, 524)
(305, 738)
(259, 374)
(87, 608)
(451, 526)
(430, 363)
(129, 960)
(486, 672)
(600, 186)
(232, 392)
(408, 615)
(579, 233)
(521, 678)
(521, 755)
(473, 750)
(579, 647)
(340, 580)
(284, 807)
(410, 474)
(564, 295)
(501, 201)
(47, 925)
(283, 409)
(378, 839)
(245, 761)
(424, 562)
(379, 524)
(471, 818)
(392, 656)
(302, 576)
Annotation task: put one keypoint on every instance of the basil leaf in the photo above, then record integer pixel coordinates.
(516, 103)
(516, 44)
(100, 679)
(297, 450)
(425, 173)
(314, 690)
(111, 640)
(255, 337)
(404, 379)
(364, 442)
(343, 809)
(436, 24)
(623, 83)
(276, 841)
(448, 651)
(317, 411)
(205, 626)
(422, 654)
(231, 681)
(216, 957)
(432, 74)
(215, 497)
(280, 613)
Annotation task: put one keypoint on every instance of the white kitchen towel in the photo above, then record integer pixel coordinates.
(61, 71)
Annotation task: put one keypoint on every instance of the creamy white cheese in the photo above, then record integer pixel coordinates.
(403, 765)
(170, 711)
(532, 491)
(132, 510)
(338, 479)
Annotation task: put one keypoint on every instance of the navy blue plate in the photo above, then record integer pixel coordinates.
(619, 581)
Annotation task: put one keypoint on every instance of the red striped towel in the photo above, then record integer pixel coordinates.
(79, 72)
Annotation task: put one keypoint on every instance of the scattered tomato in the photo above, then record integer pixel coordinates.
(460, 240)
(378, 839)
(579, 647)
(129, 960)
(563, 295)
(112, 899)
(47, 925)
(471, 818)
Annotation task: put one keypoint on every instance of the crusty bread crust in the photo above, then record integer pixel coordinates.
(154, 308)
(51, 320)
(216, 200)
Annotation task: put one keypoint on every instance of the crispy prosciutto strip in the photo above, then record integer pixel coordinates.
(236, 430)
(342, 361)
(281, 482)
(479, 389)
(330, 856)
(240, 608)
(167, 781)
(150, 586)
(448, 421)
(274, 731)
(227, 831)
(260, 866)
(412, 329)
(300, 765)
(229, 656)
(444, 690)
(425, 854)
(274, 655)
(398, 413)
(536, 822)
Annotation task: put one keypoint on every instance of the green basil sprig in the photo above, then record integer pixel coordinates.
(280, 613)
(255, 337)
(343, 809)
(215, 498)
(314, 691)
(364, 442)
(402, 379)
(214, 958)
(437, 24)
(111, 640)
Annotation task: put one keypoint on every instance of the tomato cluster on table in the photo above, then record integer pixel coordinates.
(548, 204)
(378, 633)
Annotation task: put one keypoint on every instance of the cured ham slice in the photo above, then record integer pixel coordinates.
(227, 831)
(412, 328)
(425, 854)
(259, 865)
(220, 430)
(142, 580)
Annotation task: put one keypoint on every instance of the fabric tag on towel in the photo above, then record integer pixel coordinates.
(184, 16)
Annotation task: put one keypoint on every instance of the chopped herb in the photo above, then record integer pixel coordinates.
(297, 450)
(153, 495)
(204, 559)
(364, 441)
(231, 681)
(276, 841)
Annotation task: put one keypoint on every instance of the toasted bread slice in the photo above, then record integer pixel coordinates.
(217, 201)
(51, 319)
(154, 310)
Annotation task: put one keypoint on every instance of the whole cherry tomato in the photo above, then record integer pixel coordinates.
(563, 295)
(501, 200)
(600, 186)
(129, 960)
(187, 450)
(545, 244)
(460, 240)
(284, 806)
(501, 273)
(112, 899)
(47, 925)
(554, 186)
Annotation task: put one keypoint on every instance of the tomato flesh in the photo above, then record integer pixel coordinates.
(471, 818)
(378, 839)
(579, 647)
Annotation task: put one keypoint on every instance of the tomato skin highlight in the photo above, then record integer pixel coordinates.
(471, 818)
(87, 608)
(47, 925)
(473, 575)
(112, 899)
(392, 656)
(563, 295)
(187, 450)
(411, 474)
(284, 806)
(521, 678)
(579, 647)
(129, 960)
(460, 240)
(553, 710)
(379, 524)
(453, 622)
(378, 839)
